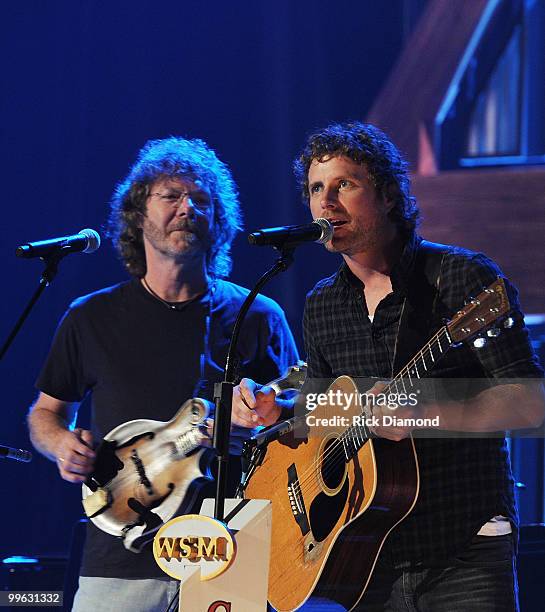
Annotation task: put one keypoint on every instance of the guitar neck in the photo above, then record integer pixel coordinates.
(356, 436)
(422, 362)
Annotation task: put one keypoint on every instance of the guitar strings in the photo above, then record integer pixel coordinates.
(311, 472)
(309, 480)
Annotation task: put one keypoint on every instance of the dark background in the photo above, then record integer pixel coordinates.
(84, 85)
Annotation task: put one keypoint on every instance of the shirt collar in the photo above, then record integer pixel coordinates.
(401, 272)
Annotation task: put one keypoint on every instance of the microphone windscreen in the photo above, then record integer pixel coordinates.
(93, 240)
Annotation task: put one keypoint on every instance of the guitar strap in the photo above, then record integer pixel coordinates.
(423, 311)
(202, 385)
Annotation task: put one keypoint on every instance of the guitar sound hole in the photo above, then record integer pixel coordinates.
(333, 464)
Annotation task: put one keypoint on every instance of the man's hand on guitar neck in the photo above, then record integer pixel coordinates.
(503, 407)
(378, 411)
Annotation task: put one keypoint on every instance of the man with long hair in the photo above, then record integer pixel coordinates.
(143, 347)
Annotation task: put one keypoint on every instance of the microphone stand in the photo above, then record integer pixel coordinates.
(51, 264)
(223, 392)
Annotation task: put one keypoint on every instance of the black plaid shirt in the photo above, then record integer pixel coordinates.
(464, 482)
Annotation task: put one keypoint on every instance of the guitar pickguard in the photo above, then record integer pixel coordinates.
(325, 512)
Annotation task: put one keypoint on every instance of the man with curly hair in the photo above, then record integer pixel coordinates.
(143, 347)
(455, 549)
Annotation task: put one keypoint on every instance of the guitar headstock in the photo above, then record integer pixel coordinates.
(480, 312)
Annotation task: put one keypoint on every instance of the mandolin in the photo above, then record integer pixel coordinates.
(147, 471)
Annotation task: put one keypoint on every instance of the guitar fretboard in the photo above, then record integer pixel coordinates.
(356, 436)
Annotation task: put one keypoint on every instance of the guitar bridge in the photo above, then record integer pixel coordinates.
(297, 502)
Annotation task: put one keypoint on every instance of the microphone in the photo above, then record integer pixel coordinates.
(320, 230)
(15, 453)
(273, 433)
(87, 241)
(252, 450)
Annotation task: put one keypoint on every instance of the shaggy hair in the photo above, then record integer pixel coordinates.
(367, 145)
(174, 158)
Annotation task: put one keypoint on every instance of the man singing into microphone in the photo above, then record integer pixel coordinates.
(455, 550)
(143, 347)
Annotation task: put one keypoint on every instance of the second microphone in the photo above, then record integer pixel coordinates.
(320, 230)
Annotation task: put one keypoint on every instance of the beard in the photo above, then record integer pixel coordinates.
(359, 237)
(178, 239)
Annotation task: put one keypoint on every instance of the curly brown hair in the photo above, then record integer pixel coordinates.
(365, 144)
(174, 157)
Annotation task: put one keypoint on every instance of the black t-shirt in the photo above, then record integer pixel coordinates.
(141, 360)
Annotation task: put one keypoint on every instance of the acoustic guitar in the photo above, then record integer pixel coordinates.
(337, 493)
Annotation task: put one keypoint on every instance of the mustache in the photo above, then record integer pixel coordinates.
(184, 225)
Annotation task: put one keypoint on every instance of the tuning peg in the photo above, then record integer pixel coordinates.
(479, 342)
(493, 332)
(508, 323)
